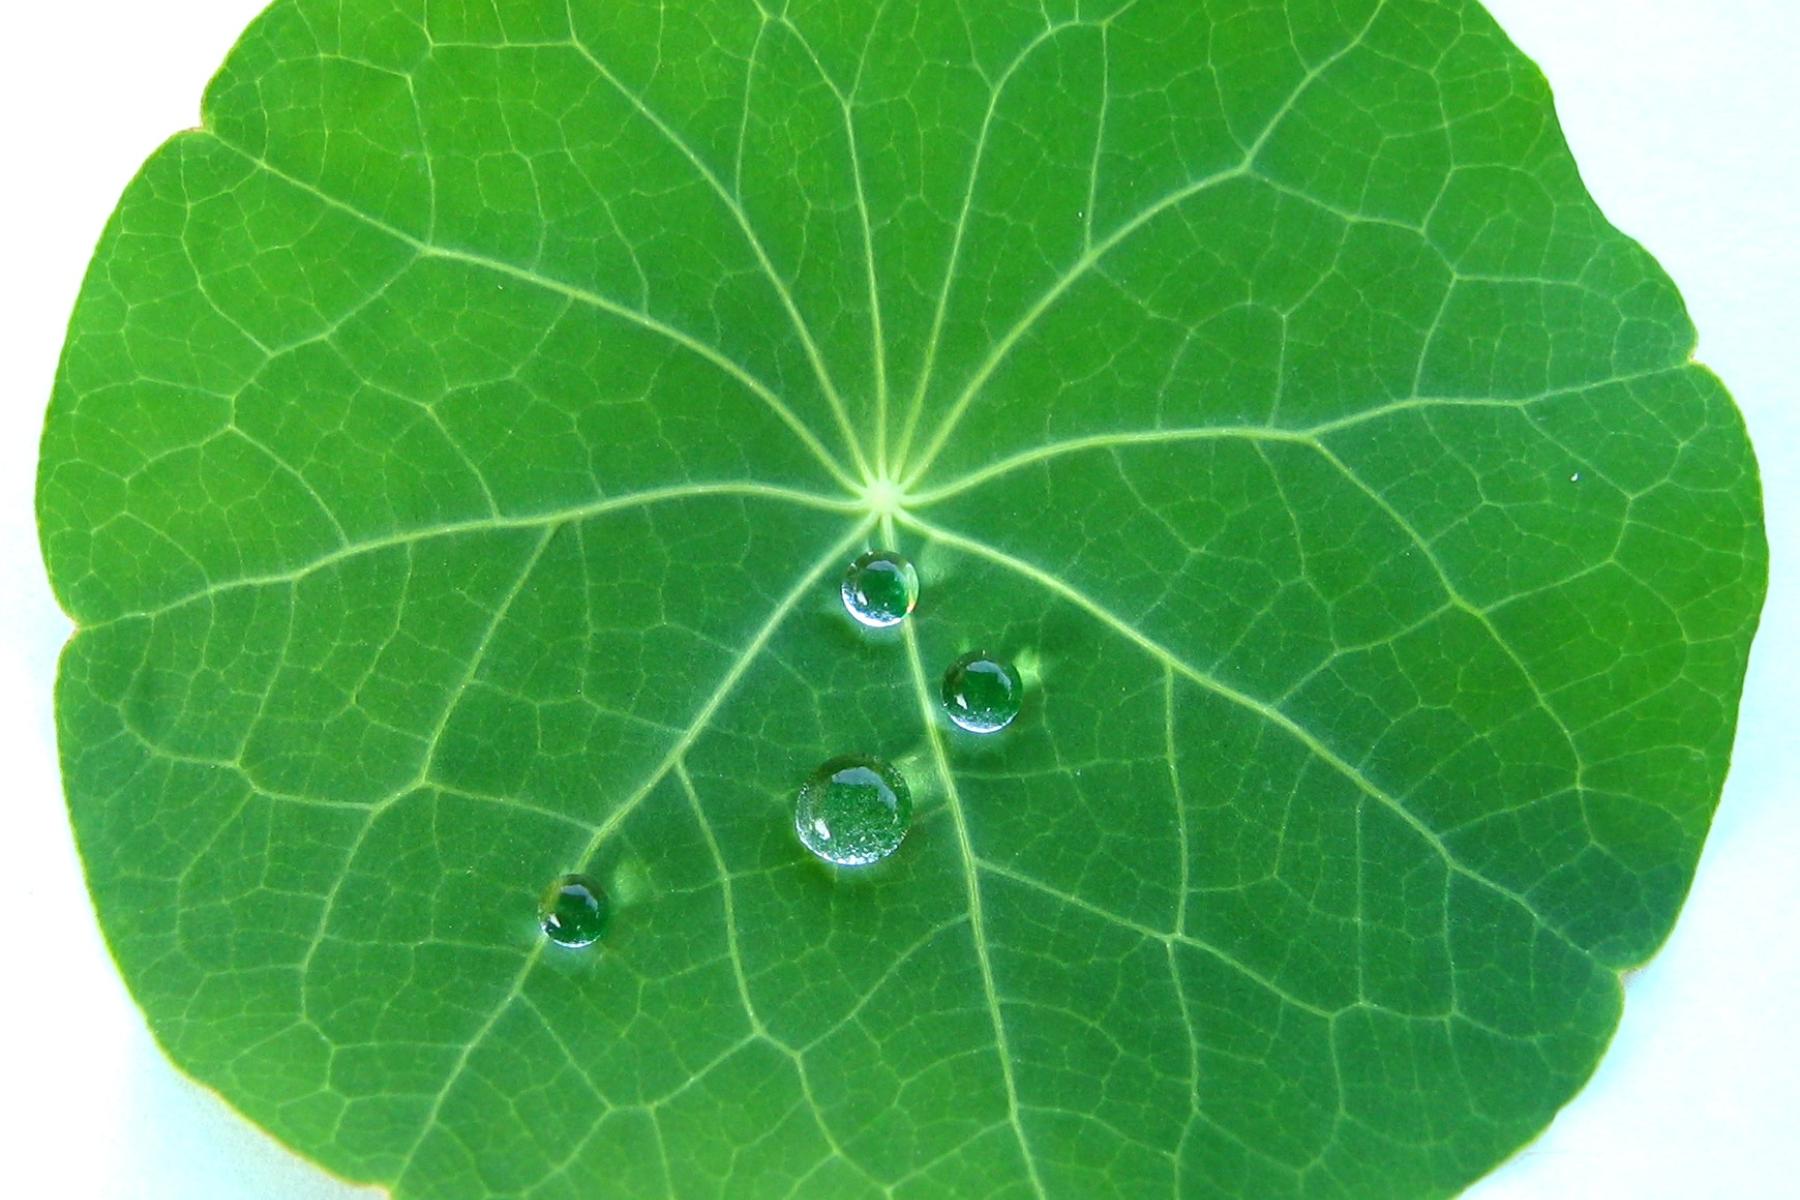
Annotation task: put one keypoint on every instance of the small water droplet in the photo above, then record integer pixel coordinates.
(1575, 478)
(982, 693)
(880, 589)
(573, 911)
(853, 810)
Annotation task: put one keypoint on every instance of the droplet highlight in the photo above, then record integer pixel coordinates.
(853, 810)
(573, 911)
(982, 693)
(880, 589)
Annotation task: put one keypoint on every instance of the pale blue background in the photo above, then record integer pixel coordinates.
(1683, 114)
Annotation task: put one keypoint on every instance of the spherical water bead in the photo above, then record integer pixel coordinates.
(573, 911)
(982, 693)
(853, 811)
(880, 588)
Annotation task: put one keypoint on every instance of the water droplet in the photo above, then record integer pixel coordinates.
(1575, 478)
(982, 693)
(853, 810)
(880, 588)
(573, 911)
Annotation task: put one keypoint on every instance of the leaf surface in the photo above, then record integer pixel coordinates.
(459, 440)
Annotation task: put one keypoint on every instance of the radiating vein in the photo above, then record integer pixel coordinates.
(934, 338)
(605, 829)
(1314, 435)
(1217, 687)
(801, 329)
(972, 884)
(1461, 602)
(680, 337)
(1086, 261)
(1310, 440)
(739, 667)
(859, 189)
(551, 517)
(1049, 451)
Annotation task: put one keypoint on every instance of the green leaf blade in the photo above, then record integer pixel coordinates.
(459, 439)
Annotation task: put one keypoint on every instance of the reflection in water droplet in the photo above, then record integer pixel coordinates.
(880, 588)
(853, 810)
(573, 911)
(982, 693)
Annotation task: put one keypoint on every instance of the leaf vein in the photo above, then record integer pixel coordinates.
(1274, 716)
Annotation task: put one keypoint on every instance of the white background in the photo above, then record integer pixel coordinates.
(1685, 117)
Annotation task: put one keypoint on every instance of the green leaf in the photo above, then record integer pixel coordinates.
(457, 445)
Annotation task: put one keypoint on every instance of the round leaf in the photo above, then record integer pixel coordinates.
(460, 442)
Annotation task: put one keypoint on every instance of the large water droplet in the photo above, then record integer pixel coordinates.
(880, 588)
(853, 810)
(982, 693)
(573, 911)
